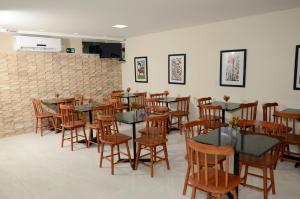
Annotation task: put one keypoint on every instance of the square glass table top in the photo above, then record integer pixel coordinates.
(168, 99)
(133, 117)
(227, 106)
(87, 107)
(243, 142)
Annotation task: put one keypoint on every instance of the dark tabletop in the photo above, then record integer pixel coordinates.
(227, 106)
(244, 142)
(292, 110)
(126, 95)
(87, 107)
(131, 117)
(168, 99)
(53, 101)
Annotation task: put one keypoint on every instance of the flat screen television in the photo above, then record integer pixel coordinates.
(105, 50)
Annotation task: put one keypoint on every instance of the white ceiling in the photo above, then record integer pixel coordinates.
(94, 18)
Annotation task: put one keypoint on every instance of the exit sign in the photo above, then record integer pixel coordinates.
(70, 50)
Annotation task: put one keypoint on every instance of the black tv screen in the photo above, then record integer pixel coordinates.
(105, 50)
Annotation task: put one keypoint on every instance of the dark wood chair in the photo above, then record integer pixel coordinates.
(203, 101)
(109, 135)
(207, 178)
(154, 105)
(265, 162)
(182, 110)
(195, 128)
(69, 122)
(140, 99)
(158, 95)
(102, 110)
(155, 136)
(268, 111)
(288, 121)
(248, 114)
(41, 115)
(212, 114)
(121, 104)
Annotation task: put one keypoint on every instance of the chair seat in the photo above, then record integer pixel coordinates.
(45, 115)
(178, 113)
(292, 139)
(233, 181)
(264, 161)
(116, 139)
(74, 124)
(151, 130)
(149, 141)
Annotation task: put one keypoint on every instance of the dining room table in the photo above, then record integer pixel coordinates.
(127, 96)
(243, 142)
(226, 106)
(133, 118)
(89, 109)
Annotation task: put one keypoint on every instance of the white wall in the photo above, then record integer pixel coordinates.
(270, 41)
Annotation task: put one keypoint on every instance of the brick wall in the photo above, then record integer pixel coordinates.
(27, 75)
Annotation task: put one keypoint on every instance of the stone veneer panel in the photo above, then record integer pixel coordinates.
(27, 75)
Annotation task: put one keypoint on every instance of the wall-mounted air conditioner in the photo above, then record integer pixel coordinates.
(42, 44)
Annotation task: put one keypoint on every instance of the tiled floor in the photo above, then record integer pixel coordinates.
(35, 167)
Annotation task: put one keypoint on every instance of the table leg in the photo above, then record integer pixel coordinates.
(134, 144)
(223, 115)
(297, 165)
(91, 136)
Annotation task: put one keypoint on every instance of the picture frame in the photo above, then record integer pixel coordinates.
(141, 69)
(297, 69)
(233, 67)
(177, 68)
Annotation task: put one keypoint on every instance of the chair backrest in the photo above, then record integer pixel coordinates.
(140, 98)
(203, 101)
(203, 169)
(195, 128)
(153, 105)
(183, 104)
(103, 110)
(268, 111)
(271, 128)
(117, 91)
(158, 95)
(286, 119)
(108, 127)
(67, 113)
(212, 113)
(249, 110)
(78, 99)
(37, 107)
(156, 128)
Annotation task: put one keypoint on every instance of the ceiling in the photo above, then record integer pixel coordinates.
(94, 18)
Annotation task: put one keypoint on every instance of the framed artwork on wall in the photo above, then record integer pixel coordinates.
(176, 68)
(297, 69)
(233, 67)
(141, 69)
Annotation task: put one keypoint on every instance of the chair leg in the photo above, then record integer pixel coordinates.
(41, 121)
(166, 156)
(52, 123)
(151, 163)
(85, 138)
(272, 181)
(138, 156)
(118, 150)
(235, 194)
(246, 174)
(265, 183)
(101, 155)
(71, 139)
(98, 140)
(180, 125)
(128, 152)
(76, 132)
(187, 174)
(193, 196)
(112, 159)
(62, 137)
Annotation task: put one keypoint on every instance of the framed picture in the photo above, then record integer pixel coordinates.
(176, 69)
(141, 69)
(233, 68)
(297, 69)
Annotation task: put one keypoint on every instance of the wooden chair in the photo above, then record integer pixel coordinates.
(121, 106)
(109, 135)
(69, 122)
(154, 105)
(140, 99)
(203, 101)
(265, 162)
(210, 178)
(118, 106)
(117, 91)
(102, 110)
(58, 116)
(40, 115)
(181, 111)
(268, 111)
(248, 114)
(195, 128)
(213, 115)
(288, 121)
(156, 129)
